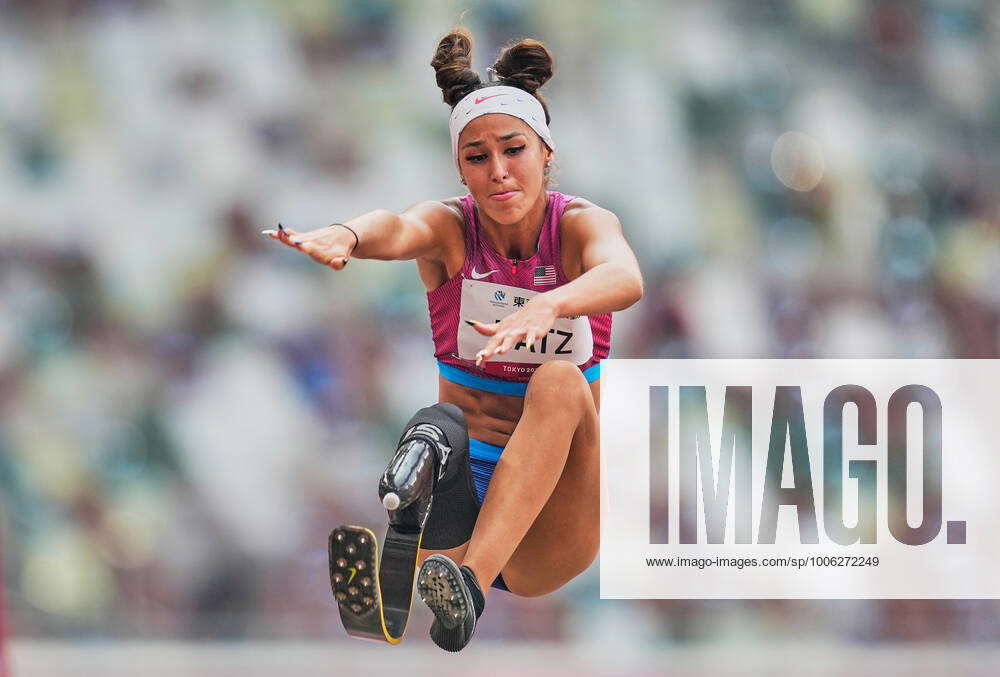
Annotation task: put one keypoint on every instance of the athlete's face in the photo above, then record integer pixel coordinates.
(502, 161)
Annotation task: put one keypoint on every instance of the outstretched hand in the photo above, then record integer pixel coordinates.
(529, 324)
(330, 246)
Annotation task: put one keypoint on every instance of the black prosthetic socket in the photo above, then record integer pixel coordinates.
(478, 599)
(435, 436)
(411, 476)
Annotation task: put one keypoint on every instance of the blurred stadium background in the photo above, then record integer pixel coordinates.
(186, 409)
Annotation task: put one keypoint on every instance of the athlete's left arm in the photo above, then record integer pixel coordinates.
(610, 281)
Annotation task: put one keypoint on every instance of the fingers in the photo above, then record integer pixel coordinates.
(484, 329)
(502, 343)
(529, 340)
(510, 340)
(486, 353)
(337, 262)
(289, 237)
(318, 253)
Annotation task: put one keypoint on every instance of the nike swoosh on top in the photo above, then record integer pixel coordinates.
(479, 101)
(480, 276)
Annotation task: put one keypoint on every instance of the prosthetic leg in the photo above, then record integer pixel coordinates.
(430, 468)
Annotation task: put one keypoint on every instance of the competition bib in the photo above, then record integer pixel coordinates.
(569, 339)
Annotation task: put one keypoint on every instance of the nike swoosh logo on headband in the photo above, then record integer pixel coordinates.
(479, 101)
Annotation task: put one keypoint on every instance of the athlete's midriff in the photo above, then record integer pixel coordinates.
(491, 418)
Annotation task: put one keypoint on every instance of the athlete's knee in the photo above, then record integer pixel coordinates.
(531, 588)
(538, 584)
(557, 381)
(556, 371)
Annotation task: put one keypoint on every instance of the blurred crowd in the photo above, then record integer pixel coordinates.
(187, 409)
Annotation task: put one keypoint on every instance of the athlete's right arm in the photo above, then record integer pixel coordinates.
(424, 231)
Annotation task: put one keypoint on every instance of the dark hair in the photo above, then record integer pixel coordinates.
(527, 65)
(452, 64)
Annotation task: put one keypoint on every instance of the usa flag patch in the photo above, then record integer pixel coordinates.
(545, 275)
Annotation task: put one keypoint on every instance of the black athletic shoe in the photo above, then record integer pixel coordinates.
(454, 596)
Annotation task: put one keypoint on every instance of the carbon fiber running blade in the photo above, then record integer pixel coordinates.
(374, 596)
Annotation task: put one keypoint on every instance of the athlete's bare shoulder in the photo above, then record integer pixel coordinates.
(583, 220)
(452, 227)
(583, 223)
(580, 207)
(454, 205)
(446, 219)
(437, 214)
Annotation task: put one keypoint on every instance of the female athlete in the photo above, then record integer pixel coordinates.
(520, 284)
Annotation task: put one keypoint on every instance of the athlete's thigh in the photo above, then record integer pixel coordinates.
(564, 538)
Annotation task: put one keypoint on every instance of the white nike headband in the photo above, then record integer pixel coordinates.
(498, 99)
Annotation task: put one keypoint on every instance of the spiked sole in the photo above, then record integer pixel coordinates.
(353, 557)
(440, 587)
(374, 594)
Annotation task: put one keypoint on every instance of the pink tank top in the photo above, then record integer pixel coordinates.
(490, 287)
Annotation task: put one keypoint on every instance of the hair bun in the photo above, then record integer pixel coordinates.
(452, 64)
(528, 65)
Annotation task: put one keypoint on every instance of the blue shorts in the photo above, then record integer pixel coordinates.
(483, 458)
